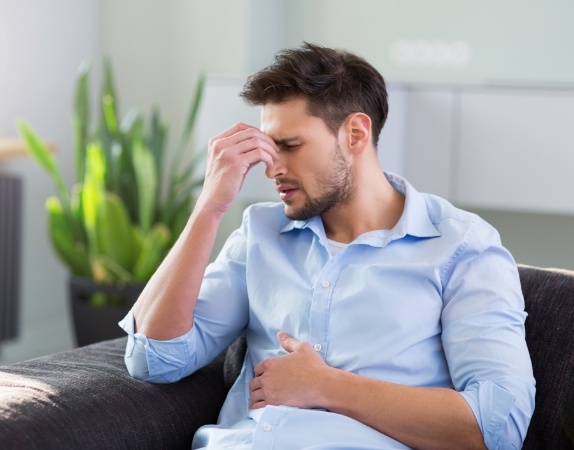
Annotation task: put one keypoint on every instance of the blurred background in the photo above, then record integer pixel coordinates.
(481, 94)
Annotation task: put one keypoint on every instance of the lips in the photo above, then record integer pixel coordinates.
(287, 195)
(287, 191)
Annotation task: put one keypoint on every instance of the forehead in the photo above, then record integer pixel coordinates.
(289, 118)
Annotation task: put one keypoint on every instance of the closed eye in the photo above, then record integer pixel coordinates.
(290, 147)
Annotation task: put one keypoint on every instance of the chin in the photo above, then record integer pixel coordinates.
(297, 214)
(291, 213)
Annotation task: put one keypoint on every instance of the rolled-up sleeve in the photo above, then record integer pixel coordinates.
(484, 339)
(157, 361)
(220, 315)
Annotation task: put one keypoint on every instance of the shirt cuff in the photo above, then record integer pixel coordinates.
(157, 361)
(492, 406)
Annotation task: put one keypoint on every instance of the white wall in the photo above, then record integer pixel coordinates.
(41, 46)
(510, 41)
(157, 50)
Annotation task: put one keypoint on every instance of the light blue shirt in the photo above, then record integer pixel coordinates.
(435, 301)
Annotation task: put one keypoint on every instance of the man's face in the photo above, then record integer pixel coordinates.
(312, 175)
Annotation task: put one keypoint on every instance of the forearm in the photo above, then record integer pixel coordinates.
(422, 418)
(164, 310)
(165, 307)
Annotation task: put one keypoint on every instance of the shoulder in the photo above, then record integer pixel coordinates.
(450, 219)
(423, 211)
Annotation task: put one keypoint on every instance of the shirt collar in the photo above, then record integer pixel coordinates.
(414, 221)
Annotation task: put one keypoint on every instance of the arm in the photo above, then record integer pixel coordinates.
(433, 418)
(165, 308)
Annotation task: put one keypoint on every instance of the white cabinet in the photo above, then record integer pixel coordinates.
(516, 150)
(492, 147)
(428, 142)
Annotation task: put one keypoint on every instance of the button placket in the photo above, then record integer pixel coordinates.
(322, 294)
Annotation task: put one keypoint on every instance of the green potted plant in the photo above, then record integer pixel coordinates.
(129, 203)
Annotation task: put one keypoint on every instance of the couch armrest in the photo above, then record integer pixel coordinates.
(85, 398)
(549, 299)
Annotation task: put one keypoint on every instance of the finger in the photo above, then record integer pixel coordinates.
(254, 384)
(238, 133)
(287, 342)
(257, 156)
(255, 148)
(239, 158)
(238, 127)
(247, 140)
(249, 155)
(257, 405)
(258, 370)
(256, 398)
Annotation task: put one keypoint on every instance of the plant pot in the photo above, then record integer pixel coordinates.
(97, 308)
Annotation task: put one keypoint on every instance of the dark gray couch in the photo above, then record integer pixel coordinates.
(84, 398)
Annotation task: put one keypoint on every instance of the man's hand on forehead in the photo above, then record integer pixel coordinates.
(231, 155)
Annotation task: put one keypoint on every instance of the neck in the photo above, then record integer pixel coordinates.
(375, 205)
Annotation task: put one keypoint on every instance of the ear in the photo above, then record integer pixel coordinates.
(357, 132)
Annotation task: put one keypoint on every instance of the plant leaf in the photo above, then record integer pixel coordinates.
(80, 119)
(114, 235)
(110, 116)
(188, 129)
(44, 158)
(73, 254)
(181, 216)
(113, 271)
(155, 246)
(93, 193)
(192, 116)
(146, 181)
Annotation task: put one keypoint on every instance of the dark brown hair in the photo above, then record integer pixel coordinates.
(335, 83)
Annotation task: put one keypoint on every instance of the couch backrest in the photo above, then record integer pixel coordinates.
(549, 297)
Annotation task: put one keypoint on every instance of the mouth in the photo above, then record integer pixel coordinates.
(287, 191)
(287, 194)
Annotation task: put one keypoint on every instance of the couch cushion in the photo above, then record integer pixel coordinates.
(234, 357)
(549, 297)
(86, 399)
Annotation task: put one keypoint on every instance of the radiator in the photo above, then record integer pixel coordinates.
(10, 241)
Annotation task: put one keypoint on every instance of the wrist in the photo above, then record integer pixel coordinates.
(330, 385)
(206, 206)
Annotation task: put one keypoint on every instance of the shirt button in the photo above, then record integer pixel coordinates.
(318, 347)
(325, 284)
(266, 427)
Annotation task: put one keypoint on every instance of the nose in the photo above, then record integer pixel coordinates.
(278, 169)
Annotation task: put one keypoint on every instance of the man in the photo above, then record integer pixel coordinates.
(375, 316)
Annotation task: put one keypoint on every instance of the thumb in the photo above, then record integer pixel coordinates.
(287, 342)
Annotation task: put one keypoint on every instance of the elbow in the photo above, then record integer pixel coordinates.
(503, 416)
(137, 366)
(136, 362)
(141, 373)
